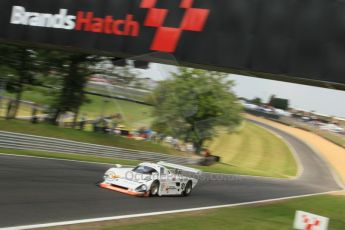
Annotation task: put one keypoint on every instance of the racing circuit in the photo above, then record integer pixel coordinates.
(38, 191)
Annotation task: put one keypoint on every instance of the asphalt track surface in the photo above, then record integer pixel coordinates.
(37, 191)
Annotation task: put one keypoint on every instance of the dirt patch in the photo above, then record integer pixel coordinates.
(333, 153)
(339, 193)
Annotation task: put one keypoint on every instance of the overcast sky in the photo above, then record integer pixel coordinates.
(325, 101)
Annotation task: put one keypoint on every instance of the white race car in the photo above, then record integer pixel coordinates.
(151, 179)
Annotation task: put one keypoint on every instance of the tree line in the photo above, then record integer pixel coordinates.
(191, 105)
(66, 72)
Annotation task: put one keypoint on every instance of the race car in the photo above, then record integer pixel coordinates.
(152, 179)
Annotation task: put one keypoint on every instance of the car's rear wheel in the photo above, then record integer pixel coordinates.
(188, 189)
(154, 188)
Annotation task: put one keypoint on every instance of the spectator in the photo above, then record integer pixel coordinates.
(189, 148)
(168, 139)
(175, 143)
(117, 131)
(95, 125)
(207, 153)
(161, 138)
(208, 159)
(82, 122)
(9, 108)
(34, 117)
(113, 126)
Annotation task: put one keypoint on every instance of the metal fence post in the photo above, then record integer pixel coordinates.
(3, 83)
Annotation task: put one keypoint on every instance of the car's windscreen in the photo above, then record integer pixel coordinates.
(144, 170)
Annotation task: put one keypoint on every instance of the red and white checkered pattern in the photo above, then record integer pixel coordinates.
(167, 38)
(309, 221)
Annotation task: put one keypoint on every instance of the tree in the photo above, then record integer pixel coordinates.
(271, 98)
(19, 64)
(256, 101)
(279, 103)
(193, 103)
(75, 70)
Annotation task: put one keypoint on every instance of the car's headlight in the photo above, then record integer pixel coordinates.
(142, 188)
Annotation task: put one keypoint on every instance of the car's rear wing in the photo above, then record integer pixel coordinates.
(181, 167)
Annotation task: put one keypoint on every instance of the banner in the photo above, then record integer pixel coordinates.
(295, 40)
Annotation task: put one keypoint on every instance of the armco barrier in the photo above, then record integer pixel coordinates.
(31, 142)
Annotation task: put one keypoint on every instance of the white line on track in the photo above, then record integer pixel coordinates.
(84, 221)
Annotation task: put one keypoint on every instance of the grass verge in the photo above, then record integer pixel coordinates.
(277, 215)
(256, 150)
(23, 110)
(134, 115)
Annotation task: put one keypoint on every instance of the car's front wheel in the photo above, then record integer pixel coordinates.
(154, 188)
(188, 189)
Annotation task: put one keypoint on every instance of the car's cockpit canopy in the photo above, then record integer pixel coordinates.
(142, 169)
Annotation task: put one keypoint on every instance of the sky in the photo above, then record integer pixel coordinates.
(325, 101)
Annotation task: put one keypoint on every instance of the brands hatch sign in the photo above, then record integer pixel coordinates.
(83, 21)
(165, 40)
(297, 41)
